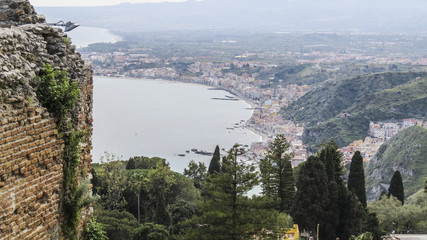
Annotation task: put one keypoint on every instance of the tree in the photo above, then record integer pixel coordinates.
(332, 158)
(181, 211)
(352, 217)
(392, 215)
(95, 231)
(277, 175)
(372, 225)
(356, 179)
(311, 198)
(113, 183)
(151, 231)
(136, 184)
(387, 211)
(141, 162)
(226, 212)
(118, 225)
(197, 172)
(396, 187)
(215, 164)
(159, 182)
(322, 198)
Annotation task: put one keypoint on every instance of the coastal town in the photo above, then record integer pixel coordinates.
(255, 78)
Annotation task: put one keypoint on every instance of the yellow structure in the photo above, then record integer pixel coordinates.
(293, 233)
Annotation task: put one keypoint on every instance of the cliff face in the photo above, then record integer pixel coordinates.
(405, 152)
(31, 149)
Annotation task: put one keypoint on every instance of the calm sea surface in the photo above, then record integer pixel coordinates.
(83, 36)
(140, 117)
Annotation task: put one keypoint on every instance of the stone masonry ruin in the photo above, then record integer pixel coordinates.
(31, 147)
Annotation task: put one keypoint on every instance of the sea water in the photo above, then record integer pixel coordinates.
(141, 117)
(83, 36)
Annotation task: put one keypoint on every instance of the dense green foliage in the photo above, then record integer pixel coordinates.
(215, 164)
(356, 178)
(169, 206)
(151, 231)
(323, 199)
(363, 99)
(95, 231)
(143, 190)
(56, 92)
(311, 198)
(408, 150)
(277, 179)
(226, 212)
(118, 225)
(410, 217)
(197, 173)
(142, 162)
(396, 187)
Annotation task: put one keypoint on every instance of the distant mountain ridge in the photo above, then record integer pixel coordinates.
(405, 152)
(252, 15)
(342, 110)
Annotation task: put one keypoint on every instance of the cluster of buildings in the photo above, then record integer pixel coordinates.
(242, 75)
(379, 132)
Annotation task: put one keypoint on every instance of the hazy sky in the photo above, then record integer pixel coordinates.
(91, 2)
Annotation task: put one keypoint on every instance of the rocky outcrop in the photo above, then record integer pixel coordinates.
(405, 152)
(17, 12)
(31, 149)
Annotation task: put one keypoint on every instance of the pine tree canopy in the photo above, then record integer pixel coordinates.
(277, 176)
(226, 212)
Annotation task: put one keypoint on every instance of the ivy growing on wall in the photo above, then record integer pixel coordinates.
(59, 95)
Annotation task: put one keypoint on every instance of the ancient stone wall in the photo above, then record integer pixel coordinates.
(31, 149)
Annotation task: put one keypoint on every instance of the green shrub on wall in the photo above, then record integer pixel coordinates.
(56, 92)
(59, 95)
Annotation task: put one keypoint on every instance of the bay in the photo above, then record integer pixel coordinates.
(83, 36)
(141, 117)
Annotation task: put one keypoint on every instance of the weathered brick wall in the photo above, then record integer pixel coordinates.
(30, 172)
(31, 149)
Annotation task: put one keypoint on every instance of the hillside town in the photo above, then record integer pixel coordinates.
(379, 133)
(249, 77)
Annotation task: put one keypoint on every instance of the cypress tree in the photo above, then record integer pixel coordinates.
(311, 199)
(396, 187)
(331, 158)
(215, 164)
(356, 179)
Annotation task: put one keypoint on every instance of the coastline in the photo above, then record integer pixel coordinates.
(249, 102)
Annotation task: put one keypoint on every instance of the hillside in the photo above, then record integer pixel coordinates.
(373, 97)
(327, 101)
(406, 152)
(405, 101)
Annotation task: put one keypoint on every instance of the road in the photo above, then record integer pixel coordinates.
(412, 236)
